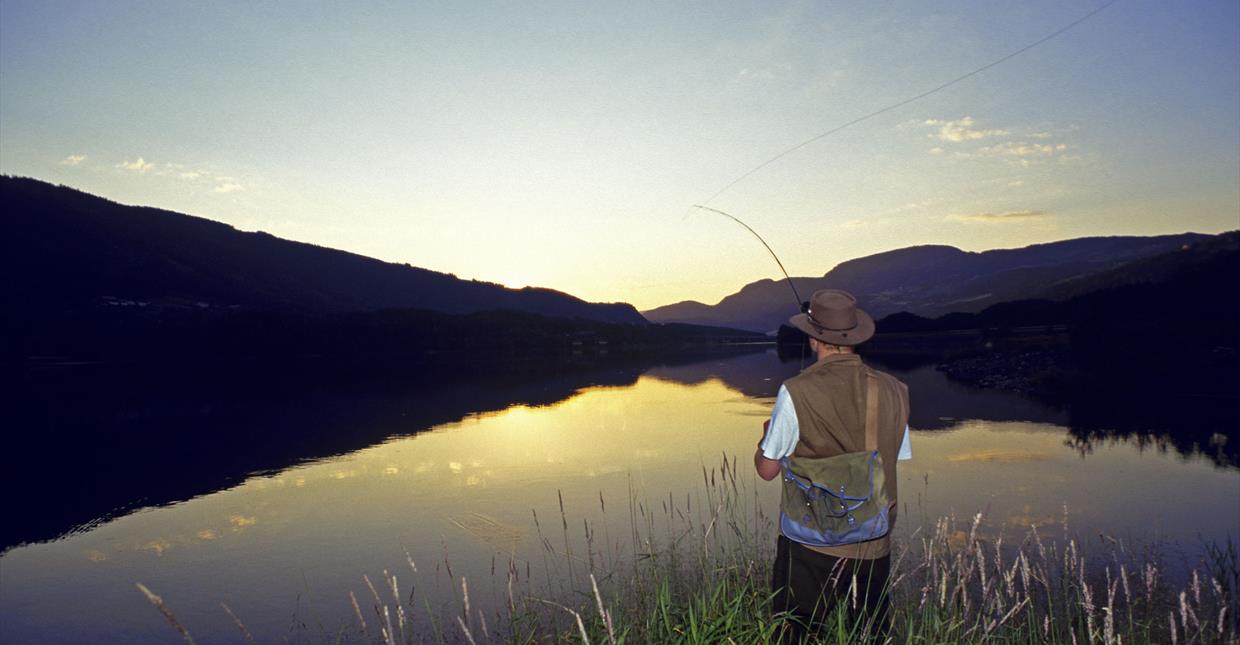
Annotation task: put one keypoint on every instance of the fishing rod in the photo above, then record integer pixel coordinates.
(801, 305)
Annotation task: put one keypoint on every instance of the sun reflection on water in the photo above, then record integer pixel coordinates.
(467, 491)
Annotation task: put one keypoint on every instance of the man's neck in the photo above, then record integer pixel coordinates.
(824, 352)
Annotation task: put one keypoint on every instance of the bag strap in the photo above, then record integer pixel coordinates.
(871, 412)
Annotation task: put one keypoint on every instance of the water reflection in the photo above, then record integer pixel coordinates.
(148, 435)
(465, 493)
(151, 437)
(1189, 426)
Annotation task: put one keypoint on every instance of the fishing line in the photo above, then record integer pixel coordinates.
(903, 103)
(801, 305)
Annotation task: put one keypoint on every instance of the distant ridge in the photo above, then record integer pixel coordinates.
(933, 280)
(68, 248)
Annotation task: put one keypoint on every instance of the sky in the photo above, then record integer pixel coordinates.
(562, 144)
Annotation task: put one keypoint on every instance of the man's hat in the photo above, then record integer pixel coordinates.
(833, 317)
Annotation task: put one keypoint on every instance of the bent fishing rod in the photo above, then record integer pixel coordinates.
(802, 306)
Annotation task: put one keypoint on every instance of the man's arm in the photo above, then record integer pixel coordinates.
(779, 436)
(767, 468)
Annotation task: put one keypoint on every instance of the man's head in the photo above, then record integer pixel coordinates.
(833, 319)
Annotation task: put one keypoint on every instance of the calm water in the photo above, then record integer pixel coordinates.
(453, 474)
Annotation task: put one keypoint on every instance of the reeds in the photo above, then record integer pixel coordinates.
(697, 570)
(976, 590)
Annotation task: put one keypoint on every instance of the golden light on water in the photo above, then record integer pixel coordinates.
(475, 481)
(489, 487)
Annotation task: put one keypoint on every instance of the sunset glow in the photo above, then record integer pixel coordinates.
(562, 145)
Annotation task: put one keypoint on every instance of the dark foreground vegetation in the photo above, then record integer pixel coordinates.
(695, 569)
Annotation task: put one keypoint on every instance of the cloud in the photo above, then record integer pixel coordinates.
(761, 74)
(998, 218)
(960, 130)
(907, 207)
(1022, 149)
(139, 165)
(73, 160)
(179, 171)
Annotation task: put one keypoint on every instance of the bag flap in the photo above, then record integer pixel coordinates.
(851, 476)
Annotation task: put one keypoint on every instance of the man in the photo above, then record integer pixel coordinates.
(822, 412)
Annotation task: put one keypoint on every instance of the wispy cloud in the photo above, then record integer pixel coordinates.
(1022, 149)
(999, 218)
(908, 206)
(767, 73)
(200, 177)
(73, 160)
(958, 130)
(888, 217)
(138, 165)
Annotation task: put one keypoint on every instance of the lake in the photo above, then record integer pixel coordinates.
(273, 492)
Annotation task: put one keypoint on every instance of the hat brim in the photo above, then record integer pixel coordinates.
(855, 336)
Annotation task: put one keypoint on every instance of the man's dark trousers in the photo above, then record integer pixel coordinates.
(809, 585)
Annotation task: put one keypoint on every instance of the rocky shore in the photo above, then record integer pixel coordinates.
(1027, 371)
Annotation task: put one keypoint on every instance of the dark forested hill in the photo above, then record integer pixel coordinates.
(1190, 287)
(935, 280)
(66, 248)
(1162, 325)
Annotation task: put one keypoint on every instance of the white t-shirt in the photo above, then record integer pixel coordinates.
(784, 432)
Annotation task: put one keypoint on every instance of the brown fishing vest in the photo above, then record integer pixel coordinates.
(830, 403)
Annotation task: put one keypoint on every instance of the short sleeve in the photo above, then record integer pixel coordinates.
(782, 435)
(906, 447)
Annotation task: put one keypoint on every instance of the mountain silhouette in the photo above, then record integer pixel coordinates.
(72, 249)
(1191, 281)
(933, 280)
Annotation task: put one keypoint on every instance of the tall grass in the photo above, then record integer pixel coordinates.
(697, 569)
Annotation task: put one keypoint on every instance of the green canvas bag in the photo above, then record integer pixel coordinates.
(832, 501)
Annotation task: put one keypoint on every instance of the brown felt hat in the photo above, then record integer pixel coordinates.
(833, 317)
